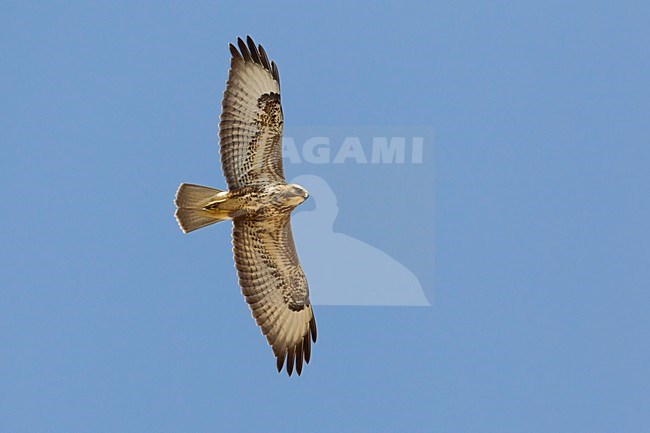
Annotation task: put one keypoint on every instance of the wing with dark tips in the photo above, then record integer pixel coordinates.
(275, 288)
(250, 130)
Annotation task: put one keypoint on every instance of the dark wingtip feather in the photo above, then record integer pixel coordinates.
(290, 359)
(253, 50)
(244, 50)
(280, 362)
(233, 51)
(274, 71)
(306, 345)
(312, 328)
(299, 358)
(264, 58)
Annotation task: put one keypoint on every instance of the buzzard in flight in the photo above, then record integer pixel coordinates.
(259, 202)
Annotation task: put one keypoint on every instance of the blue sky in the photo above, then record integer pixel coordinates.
(535, 253)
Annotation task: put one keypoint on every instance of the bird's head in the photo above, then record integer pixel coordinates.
(295, 194)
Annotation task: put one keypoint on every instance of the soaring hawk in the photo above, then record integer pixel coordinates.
(259, 202)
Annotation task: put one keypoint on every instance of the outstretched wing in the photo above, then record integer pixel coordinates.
(250, 131)
(275, 288)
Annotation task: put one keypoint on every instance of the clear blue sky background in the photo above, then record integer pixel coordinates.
(112, 321)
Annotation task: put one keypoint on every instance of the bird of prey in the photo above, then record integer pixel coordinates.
(259, 202)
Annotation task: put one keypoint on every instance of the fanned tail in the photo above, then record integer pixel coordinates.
(191, 201)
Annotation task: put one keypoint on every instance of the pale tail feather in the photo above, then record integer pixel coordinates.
(192, 219)
(194, 196)
(190, 201)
